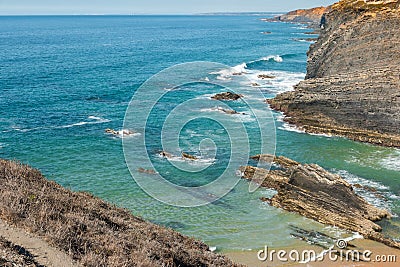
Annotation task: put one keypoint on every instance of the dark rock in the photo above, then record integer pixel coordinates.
(230, 111)
(188, 156)
(121, 133)
(227, 96)
(165, 154)
(266, 76)
(320, 195)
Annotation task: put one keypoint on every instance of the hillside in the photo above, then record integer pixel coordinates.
(89, 230)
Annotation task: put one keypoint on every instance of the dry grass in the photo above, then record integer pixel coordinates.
(90, 230)
(12, 255)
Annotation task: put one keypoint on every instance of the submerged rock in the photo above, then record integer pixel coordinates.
(227, 96)
(318, 194)
(188, 156)
(230, 111)
(165, 154)
(121, 133)
(184, 155)
(266, 76)
(147, 171)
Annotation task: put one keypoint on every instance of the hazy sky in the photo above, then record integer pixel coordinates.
(12, 7)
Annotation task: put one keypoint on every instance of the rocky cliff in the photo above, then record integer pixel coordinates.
(308, 16)
(352, 87)
(315, 193)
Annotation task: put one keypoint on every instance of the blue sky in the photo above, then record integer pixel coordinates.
(21, 7)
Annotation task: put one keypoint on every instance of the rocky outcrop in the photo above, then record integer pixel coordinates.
(147, 171)
(352, 87)
(227, 96)
(308, 16)
(318, 194)
(184, 155)
(121, 133)
(266, 76)
(188, 156)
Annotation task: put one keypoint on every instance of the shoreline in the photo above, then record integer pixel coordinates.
(348, 91)
(330, 130)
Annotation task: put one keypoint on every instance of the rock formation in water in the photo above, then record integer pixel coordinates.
(319, 195)
(352, 87)
(227, 96)
(308, 16)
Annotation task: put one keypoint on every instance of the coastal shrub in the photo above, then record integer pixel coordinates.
(90, 230)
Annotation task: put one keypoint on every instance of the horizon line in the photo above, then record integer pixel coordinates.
(151, 14)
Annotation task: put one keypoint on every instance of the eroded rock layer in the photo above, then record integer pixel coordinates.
(320, 195)
(352, 87)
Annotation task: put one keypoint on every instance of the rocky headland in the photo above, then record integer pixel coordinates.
(88, 230)
(315, 193)
(311, 16)
(352, 86)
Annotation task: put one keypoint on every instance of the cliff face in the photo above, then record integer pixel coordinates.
(352, 87)
(311, 16)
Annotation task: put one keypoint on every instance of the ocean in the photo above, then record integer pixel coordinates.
(64, 80)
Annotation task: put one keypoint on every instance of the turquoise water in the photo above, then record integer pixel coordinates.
(64, 80)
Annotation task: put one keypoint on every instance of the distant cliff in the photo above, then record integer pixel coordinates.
(308, 16)
(352, 87)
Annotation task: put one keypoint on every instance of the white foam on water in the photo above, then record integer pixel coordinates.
(381, 199)
(304, 41)
(276, 58)
(282, 82)
(285, 81)
(280, 117)
(391, 162)
(125, 133)
(93, 120)
(199, 161)
(225, 74)
(291, 128)
(354, 179)
(300, 27)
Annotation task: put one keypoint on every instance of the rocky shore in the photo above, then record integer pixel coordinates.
(85, 228)
(320, 195)
(352, 87)
(311, 16)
